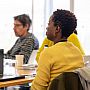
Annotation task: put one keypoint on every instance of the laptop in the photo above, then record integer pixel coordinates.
(1, 61)
(6, 77)
(32, 58)
(32, 64)
(10, 77)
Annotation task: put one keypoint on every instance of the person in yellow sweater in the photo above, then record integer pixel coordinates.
(46, 43)
(72, 38)
(63, 56)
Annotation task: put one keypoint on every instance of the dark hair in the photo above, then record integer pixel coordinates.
(24, 19)
(75, 31)
(66, 20)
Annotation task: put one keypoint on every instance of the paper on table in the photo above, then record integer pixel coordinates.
(32, 59)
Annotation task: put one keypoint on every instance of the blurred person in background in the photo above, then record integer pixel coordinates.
(26, 42)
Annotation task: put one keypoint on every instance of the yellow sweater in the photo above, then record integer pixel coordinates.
(45, 42)
(72, 38)
(61, 57)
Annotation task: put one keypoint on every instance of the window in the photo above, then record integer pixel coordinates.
(82, 12)
(38, 10)
(61, 4)
(9, 9)
(42, 12)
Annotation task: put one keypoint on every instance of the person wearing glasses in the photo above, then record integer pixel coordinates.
(26, 42)
(61, 57)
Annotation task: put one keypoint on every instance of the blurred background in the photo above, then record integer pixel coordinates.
(39, 11)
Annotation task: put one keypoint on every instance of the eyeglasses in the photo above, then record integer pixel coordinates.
(17, 25)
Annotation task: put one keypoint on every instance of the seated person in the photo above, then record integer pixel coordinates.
(63, 56)
(72, 38)
(26, 42)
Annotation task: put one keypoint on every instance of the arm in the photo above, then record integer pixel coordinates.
(26, 49)
(45, 42)
(42, 79)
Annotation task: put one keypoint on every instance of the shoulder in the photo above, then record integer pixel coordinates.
(46, 40)
(31, 36)
(72, 36)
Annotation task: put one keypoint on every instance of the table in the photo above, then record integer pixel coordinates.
(15, 82)
(9, 69)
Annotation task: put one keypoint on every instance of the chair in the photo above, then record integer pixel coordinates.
(66, 81)
(86, 60)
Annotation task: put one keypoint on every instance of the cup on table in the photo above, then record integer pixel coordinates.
(19, 60)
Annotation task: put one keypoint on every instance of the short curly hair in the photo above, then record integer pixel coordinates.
(66, 20)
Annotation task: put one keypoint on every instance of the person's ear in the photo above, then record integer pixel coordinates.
(57, 29)
(26, 26)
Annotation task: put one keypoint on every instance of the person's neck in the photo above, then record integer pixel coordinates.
(24, 35)
(60, 40)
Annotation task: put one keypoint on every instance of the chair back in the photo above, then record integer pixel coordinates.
(86, 60)
(66, 81)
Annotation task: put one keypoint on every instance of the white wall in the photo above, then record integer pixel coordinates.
(9, 9)
(40, 12)
(82, 12)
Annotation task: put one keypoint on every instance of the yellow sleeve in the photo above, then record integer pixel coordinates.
(74, 39)
(42, 78)
(45, 42)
